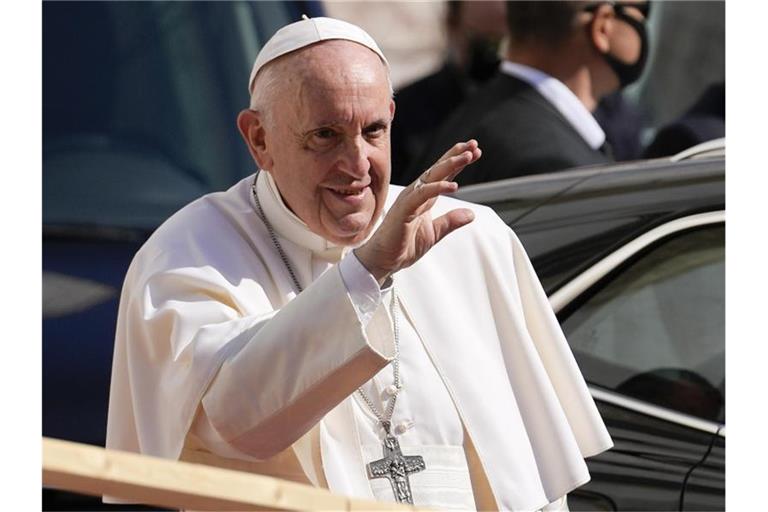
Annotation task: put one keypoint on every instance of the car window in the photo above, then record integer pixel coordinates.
(656, 330)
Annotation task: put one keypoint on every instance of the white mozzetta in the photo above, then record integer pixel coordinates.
(210, 324)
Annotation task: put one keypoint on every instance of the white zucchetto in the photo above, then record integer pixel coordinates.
(307, 32)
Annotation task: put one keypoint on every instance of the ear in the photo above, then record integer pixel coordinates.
(391, 110)
(601, 28)
(251, 126)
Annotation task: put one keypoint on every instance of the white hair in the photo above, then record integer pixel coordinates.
(266, 86)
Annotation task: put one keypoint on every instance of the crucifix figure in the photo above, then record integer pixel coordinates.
(396, 467)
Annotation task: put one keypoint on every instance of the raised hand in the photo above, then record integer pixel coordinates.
(409, 231)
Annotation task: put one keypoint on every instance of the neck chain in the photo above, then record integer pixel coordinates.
(385, 417)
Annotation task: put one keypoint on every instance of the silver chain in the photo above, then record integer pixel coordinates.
(387, 416)
(384, 418)
(272, 234)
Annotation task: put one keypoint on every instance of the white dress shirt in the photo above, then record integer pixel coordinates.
(562, 98)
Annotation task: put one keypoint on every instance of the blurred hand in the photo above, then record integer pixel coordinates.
(408, 230)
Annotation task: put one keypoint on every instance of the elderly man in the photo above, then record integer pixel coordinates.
(314, 324)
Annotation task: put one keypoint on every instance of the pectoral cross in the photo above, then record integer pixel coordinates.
(396, 467)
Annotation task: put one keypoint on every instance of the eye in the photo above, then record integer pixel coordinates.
(322, 139)
(324, 134)
(375, 130)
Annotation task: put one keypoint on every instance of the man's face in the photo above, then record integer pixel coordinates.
(328, 143)
(618, 43)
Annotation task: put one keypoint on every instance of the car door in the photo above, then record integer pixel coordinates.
(646, 325)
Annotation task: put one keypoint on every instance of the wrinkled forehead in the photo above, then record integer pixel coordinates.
(327, 67)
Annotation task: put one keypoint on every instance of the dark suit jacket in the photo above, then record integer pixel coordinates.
(518, 130)
(421, 107)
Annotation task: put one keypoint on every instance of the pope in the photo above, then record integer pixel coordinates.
(316, 324)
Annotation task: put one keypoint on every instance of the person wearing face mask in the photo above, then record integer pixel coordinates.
(535, 115)
(474, 30)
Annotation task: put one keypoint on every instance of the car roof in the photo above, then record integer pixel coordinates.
(567, 220)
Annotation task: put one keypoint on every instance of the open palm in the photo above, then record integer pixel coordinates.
(408, 231)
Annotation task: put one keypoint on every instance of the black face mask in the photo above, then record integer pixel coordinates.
(629, 73)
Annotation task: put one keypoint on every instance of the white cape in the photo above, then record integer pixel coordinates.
(207, 282)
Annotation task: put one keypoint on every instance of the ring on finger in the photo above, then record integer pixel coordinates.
(422, 179)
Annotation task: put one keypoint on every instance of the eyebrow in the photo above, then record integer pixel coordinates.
(377, 123)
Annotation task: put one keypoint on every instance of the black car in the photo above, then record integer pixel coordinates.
(632, 257)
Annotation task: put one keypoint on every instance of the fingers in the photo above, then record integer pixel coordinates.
(451, 221)
(421, 194)
(459, 148)
(476, 154)
(453, 161)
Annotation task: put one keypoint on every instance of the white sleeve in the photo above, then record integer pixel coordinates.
(363, 290)
(300, 364)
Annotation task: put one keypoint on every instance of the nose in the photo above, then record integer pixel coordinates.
(354, 157)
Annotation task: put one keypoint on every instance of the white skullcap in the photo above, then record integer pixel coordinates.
(306, 32)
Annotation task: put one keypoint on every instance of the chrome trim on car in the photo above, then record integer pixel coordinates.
(710, 149)
(592, 275)
(656, 411)
(589, 277)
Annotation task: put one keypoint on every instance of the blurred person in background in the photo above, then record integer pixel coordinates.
(622, 121)
(704, 121)
(535, 115)
(474, 30)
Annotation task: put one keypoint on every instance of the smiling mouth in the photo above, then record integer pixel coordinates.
(348, 191)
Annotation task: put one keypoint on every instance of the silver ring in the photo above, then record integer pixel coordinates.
(421, 180)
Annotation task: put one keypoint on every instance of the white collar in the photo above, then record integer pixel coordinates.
(562, 98)
(289, 226)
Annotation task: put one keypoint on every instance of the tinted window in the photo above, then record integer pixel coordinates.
(656, 330)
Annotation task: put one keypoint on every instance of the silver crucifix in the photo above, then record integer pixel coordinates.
(396, 467)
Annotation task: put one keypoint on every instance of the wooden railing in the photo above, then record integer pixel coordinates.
(160, 482)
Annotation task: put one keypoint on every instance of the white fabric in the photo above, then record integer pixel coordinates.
(562, 98)
(444, 485)
(364, 291)
(426, 409)
(208, 296)
(306, 32)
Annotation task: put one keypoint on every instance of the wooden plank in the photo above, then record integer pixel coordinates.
(161, 482)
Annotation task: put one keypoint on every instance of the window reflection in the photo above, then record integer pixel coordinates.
(656, 331)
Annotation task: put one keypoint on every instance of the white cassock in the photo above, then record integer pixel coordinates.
(219, 361)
